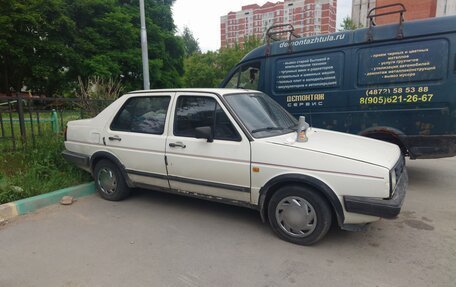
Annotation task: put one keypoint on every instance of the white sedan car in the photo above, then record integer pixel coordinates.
(239, 147)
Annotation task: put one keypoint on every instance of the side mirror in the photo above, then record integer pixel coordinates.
(204, 133)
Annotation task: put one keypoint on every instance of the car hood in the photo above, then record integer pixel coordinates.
(344, 145)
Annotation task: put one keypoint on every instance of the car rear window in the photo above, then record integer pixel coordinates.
(142, 115)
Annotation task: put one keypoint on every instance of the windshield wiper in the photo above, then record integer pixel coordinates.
(267, 129)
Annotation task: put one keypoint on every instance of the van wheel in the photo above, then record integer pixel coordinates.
(109, 181)
(299, 215)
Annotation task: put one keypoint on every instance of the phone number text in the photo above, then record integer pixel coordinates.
(396, 99)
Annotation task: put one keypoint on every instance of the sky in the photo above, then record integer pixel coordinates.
(202, 17)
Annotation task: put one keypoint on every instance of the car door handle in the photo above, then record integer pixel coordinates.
(177, 144)
(114, 138)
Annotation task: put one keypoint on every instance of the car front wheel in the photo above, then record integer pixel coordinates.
(109, 181)
(299, 215)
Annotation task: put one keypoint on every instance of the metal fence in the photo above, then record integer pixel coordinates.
(24, 119)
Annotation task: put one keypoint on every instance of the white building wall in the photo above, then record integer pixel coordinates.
(360, 9)
(446, 8)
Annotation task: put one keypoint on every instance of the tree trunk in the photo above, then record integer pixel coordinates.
(5, 77)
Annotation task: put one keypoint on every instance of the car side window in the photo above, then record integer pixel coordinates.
(142, 115)
(224, 129)
(193, 112)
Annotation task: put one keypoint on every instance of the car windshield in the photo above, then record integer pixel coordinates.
(261, 115)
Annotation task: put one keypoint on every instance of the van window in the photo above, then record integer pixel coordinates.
(309, 72)
(246, 77)
(413, 62)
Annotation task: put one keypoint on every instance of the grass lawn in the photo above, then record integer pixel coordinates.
(40, 124)
(33, 170)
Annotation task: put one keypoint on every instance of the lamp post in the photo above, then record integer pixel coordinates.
(145, 54)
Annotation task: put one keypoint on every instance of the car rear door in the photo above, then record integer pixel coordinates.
(220, 168)
(136, 135)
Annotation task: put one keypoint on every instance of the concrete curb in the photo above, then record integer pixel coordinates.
(23, 206)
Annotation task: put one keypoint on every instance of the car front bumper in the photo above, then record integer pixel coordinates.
(385, 208)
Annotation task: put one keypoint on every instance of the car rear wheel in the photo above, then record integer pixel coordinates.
(109, 181)
(299, 215)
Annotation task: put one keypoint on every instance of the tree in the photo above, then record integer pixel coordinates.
(191, 45)
(207, 70)
(200, 70)
(32, 46)
(46, 45)
(108, 42)
(348, 24)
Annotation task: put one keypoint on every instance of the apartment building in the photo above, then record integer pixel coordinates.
(416, 9)
(308, 17)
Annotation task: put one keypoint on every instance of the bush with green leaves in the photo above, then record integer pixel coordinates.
(31, 171)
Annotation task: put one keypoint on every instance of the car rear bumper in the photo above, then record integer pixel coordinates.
(385, 208)
(80, 160)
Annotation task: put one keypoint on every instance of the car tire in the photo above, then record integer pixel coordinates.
(299, 214)
(109, 181)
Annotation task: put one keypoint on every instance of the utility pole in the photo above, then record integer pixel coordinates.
(145, 54)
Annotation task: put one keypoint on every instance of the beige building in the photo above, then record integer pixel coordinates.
(308, 17)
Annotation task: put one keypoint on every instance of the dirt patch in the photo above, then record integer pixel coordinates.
(426, 219)
(418, 224)
(374, 244)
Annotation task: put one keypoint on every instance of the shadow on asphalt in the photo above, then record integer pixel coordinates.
(418, 175)
(244, 215)
(197, 205)
(426, 175)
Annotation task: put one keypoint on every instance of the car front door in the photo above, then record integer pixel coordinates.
(218, 168)
(137, 136)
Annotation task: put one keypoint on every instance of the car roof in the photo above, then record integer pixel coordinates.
(219, 91)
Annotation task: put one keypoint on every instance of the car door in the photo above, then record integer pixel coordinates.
(136, 136)
(220, 168)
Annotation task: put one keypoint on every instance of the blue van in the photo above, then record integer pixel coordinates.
(395, 82)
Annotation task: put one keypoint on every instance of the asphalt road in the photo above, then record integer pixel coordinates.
(155, 239)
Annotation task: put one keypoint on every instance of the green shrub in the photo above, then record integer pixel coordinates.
(36, 170)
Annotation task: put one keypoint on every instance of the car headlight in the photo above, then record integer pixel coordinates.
(393, 181)
(395, 174)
